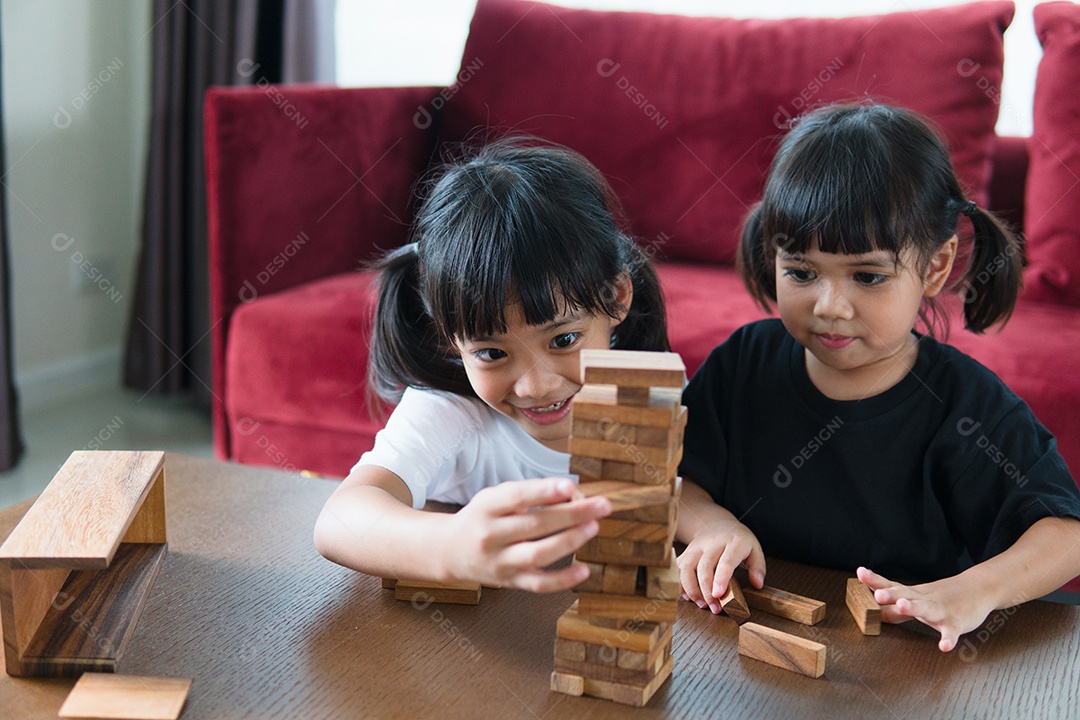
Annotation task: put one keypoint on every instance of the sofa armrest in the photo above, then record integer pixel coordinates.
(1008, 177)
(303, 182)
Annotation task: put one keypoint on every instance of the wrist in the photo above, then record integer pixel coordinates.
(437, 547)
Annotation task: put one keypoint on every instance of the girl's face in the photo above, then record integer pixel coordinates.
(531, 372)
(854, 314)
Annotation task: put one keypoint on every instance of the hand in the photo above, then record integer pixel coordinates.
(948, 605)
(705, 567)
(508, 533)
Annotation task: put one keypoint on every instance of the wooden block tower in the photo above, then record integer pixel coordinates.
(625, 444)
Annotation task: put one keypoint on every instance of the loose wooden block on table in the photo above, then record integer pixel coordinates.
(782, 650)
(807, 611)
(104, 695)
(863, 607)
(734, 603)
(425, 592)
(632, 368)
(92, 544)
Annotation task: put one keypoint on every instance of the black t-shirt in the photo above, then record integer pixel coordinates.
(945, 469)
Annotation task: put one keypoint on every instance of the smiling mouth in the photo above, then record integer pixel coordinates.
(548, 414)
(834, 341)
(550, 408)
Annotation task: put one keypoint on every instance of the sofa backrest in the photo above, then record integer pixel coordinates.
(683, 114)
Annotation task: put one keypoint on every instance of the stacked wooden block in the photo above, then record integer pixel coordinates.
(625, 444)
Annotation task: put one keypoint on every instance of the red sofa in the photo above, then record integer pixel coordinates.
(681, 114)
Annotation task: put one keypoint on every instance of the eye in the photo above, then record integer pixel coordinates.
(870, 279)
(799, 275)
(489, 354)
(565, 340)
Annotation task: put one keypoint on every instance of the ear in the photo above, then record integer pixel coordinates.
(624, 295)
(939, 268)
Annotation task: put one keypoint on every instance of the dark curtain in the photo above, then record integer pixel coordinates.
(11, 446)
(195, 45)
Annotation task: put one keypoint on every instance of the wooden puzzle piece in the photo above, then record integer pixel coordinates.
(863, 607)
(734, 603)
(105, 695)
(782, 650)
(632, 368)
(807, 611)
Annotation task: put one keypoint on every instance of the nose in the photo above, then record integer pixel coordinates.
(832, 303)
(539, 380)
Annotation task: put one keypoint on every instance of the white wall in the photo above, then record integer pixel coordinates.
(420, 42)
(76, 114)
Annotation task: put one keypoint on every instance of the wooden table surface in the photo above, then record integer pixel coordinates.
(267, 628)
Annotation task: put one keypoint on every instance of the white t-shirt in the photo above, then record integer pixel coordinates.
(448, 448)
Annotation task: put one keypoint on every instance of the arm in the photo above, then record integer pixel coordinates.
(504, 537)
(1040, 561)
(716, 543)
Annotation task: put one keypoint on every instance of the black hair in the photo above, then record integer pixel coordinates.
(860, 178)
(521, 221)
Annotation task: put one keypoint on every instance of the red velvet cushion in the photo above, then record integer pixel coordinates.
(1053, 189)
(683, 114)
(296, 363)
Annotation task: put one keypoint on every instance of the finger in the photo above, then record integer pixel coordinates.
(543, 521)
(872, 580)
(687, 563)
(535, 554)
(725, 568)
(755, 566)
(949, 638)
(514, 497)
(706, 576)
(548, 581)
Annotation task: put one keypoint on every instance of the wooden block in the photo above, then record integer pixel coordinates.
(607, 673)
(666, 512)
(863, 607)
(569, 649)
(640, 637)
(105, 695)
(663, 583)
(633, 530)
(422, 591)
(567, 684)
(586, 466)
(627, 607)
(622, 452)
(603, 655)
(620, 579)
(80, 519)
(628, 694)
(607, 622)
(633, 396)
(604, 429)
(595, 581)
(807, 611)
(626, 496)
(389, 583)
(781, 649)
(607, 550)
(600, 403)
(734, 603)
(633, 368)
(617, 470)
(633, 660)
(92, 543)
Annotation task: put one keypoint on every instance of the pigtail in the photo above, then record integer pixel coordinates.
(407, 348)
(645, 326)
(755, 263)
(992, 281)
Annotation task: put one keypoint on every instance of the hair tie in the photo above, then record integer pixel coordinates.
(970, 208)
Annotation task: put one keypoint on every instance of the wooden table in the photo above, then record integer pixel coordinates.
(267, 628)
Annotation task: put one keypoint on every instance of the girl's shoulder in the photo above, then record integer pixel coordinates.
(440, 406)
(761, 338)
(965, 380)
